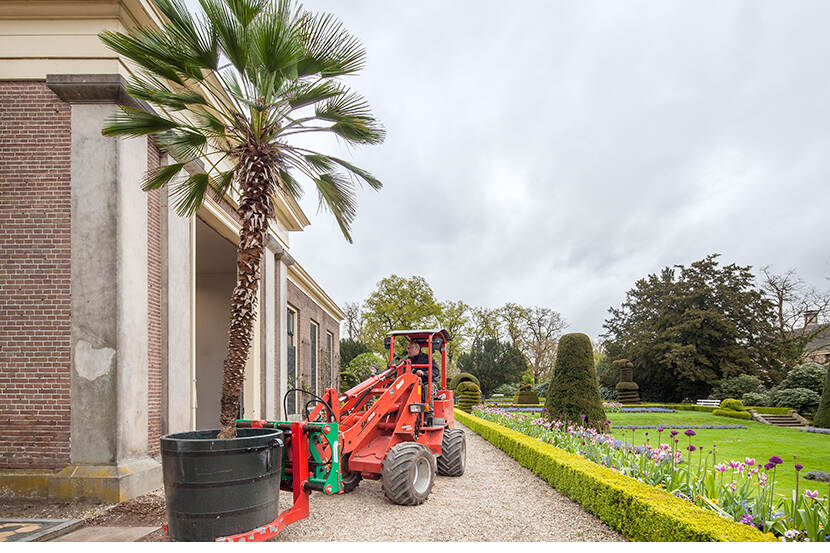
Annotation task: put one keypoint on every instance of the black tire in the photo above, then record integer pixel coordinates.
(408, 473)
(453, 457)
(349, 480)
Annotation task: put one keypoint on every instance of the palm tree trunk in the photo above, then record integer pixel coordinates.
(254, 209)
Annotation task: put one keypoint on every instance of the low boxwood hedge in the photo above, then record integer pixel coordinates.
(639, 511)
(709, 409)
(732, 413)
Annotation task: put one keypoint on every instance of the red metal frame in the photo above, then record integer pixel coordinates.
(299, 510)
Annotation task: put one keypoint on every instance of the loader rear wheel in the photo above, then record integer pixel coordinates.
(453, 457)
(408, 473)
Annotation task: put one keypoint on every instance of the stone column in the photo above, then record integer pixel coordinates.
(177, 269)
(267, 310)
(109, 339)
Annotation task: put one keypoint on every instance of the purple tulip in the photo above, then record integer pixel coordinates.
(691, 447)
(690, 433)
(660, 429)
(775, 460)
(674, 432)
(798, 467)
(582, 417)
(769, 466)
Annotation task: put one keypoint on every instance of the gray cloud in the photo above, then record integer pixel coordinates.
(552, 153)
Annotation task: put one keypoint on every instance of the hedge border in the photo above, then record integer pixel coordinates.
(639, 511)
(708, 408)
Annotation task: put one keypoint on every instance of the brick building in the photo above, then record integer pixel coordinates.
(114, 310)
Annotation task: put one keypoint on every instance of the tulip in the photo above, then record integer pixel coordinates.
(775, 460)
(690, 433)
(812, 494)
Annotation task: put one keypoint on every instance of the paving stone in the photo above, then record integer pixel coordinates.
(108, 533)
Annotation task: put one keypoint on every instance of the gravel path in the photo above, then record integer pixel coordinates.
(496, 500)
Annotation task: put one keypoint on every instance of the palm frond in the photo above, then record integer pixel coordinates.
(289, 184)
(352, 117)
(362, 174)
(190, 193)
(245, 11)
(198, 40)
(182, 144)
(319, 162)
(224, 184)
(307, 94)
(273, 45)
(332, 50)
(134, 49)
(135, 122)
(150, 89)
(234, 38)
(158, 177)
(337, 195)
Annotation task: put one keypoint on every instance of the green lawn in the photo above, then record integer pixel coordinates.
(759, 441)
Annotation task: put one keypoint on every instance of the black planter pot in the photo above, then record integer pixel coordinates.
(215, 488)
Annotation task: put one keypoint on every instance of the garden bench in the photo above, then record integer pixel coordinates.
(709, 402)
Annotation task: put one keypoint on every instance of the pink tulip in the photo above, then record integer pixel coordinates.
(812, 494)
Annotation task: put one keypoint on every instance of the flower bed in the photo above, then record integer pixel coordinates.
(817, 430)
(698, 426)
(647, 410)
(639, 511)
(745, 494)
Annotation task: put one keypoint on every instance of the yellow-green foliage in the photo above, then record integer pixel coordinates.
(732, 413)
(733, 404)
(462, 377)
(639, 511)
(526, 395)
(468, 395)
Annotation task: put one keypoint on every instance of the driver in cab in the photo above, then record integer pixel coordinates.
(417, 357)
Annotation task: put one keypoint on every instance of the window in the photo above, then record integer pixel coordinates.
(329, 360)
(291, 369)
(313, 339)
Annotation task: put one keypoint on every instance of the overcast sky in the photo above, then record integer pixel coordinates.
(552, 153)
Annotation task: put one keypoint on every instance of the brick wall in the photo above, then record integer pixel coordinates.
(154, 360)
(308, 310)
(35, 139)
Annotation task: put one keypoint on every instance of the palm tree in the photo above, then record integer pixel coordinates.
(233, 86)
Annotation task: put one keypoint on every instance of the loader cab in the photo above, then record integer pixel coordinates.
(434, 340)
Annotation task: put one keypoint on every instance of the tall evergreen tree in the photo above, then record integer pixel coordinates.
(687, 327)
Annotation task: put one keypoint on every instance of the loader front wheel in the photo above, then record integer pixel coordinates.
(453, 457)
(408, 473)
(349, 480)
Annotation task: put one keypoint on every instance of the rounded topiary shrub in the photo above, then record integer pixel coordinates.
(468, 394)
(526, 395)
(733, 404)
(574, 391)
(462, 377)
(822, 418)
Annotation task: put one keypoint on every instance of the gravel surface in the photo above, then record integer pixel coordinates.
(495, 500)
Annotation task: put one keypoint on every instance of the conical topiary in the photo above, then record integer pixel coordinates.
(469, 395)
(822, 418)
(526, 395)
(462, 377)
(574, 392)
